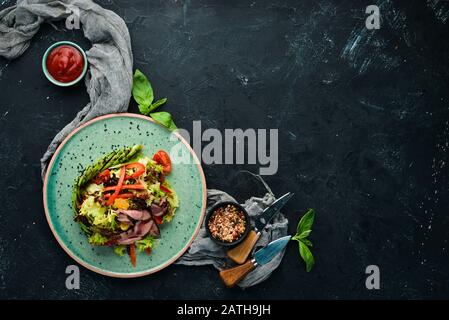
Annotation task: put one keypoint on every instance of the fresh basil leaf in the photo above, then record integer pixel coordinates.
(304, 234)
(165, 119)
(157, 104)
(306, 255)
(306, 222)
(142, 91)
(307, 242)
(144, 110)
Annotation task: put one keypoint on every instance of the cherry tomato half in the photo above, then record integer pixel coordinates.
(162, 158)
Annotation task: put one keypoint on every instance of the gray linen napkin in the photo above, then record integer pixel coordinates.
(109, 82)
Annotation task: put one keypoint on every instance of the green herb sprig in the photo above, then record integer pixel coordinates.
(143, 94)
(302, 232)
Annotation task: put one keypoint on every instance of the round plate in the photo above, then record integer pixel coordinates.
(90, 142)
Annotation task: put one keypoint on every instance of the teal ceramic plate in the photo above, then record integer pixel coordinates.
(89, 143)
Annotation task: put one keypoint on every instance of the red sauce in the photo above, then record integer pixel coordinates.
(65, 63)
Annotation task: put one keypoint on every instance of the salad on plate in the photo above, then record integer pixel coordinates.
(122, 200)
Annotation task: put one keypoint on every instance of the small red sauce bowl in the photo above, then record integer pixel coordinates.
(78, 53)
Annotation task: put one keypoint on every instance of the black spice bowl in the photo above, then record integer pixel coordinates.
(224, 204)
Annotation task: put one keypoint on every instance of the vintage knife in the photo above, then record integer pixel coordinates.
(240, 253)
(233, 275)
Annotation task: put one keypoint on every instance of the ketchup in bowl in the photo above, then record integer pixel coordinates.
(64, 63)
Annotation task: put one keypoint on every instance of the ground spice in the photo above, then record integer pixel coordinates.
(227, 223)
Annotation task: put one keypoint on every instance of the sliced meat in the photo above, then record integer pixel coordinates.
(154, 230)
(163, 202)
(136, 214)
(142, 228)
(157, 210)
(146, 215)
(128, 240)
(121, 217)
(138, 231)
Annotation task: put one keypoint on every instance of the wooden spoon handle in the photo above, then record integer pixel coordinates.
(232, 276)
(240, 253)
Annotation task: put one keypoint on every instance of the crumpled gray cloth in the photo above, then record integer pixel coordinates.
(204, 251)
(109, 77)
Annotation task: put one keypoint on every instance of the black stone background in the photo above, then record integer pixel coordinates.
(363, 138)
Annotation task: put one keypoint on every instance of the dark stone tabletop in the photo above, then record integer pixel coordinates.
(363, 139)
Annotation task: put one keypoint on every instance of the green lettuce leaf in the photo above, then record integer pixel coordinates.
(173, 201)
(97, 214)
(97, 239)
(120, 250)
(145, 243)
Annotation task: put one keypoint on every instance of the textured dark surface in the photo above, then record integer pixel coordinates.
(363, 118)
